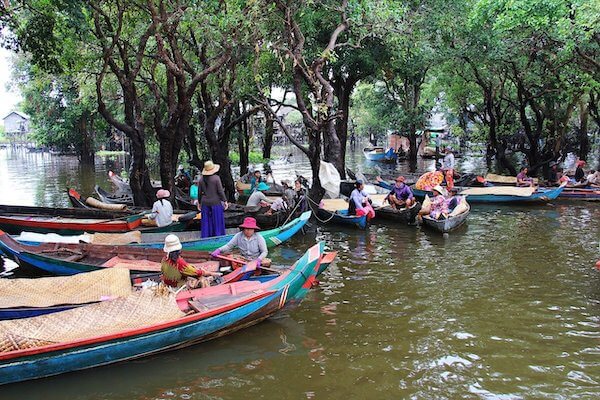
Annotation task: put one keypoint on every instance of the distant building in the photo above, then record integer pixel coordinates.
(16, 126)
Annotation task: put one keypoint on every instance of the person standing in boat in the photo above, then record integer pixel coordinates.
(360, 203)
(448, 167)
(580, 173)
(175, 270)
(523, 180)
(251, 245)
(213, 202)
(401, 195)
(162, 210)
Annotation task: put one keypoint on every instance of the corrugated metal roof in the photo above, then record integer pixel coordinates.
(19, 113)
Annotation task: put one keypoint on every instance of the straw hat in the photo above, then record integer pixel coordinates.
(262, 186)
(249, 223)
(210, 168)
(440, 190)
(286, 182)
(172, 243)
(163, 194)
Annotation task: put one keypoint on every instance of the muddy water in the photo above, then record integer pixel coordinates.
(506, 307)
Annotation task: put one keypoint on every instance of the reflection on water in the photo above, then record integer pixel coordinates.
(506, 307)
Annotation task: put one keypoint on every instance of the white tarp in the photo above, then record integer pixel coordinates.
(330, 179)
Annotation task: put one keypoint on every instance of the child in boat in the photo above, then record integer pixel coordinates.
(453, 199)
(175, 270)
(162, 210)
(523, 180)
(252, 246)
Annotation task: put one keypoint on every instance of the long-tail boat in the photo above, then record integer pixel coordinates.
(190, 240)
(145, 323)
(504, 194)
(335, 211)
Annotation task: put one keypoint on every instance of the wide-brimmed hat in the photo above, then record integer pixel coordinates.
(262, 186)
(172, 243)
(286, 182)
(163, 194)
(400, 178)
(210, 168)
(440, 190)
(249, 223)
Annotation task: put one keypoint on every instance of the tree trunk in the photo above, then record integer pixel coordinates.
(139, 176)
(86, 154)
(243, 147)
(413, 149)
(584, 141)
(268, 138)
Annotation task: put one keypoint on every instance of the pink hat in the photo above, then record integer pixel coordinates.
(249, 223)
(163, 194)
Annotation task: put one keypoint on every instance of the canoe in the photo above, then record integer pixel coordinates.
(494, 195)
(446, 225)
(145, 323)
(341, 217)
(380, 154)
(74, 221)
(191, 240)
(403, 215)
(582, 194)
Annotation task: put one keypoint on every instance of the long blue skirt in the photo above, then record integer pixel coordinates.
(213, 221)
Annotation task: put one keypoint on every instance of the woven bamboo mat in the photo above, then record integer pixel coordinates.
(335, 204)
(138, 310)
(117, 238)
(500, 190)
(494, 178)
(76, 289)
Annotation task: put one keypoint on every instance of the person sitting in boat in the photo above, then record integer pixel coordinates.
(258, 198)
(439, 204)
(256, 179)
(162, 210)
(183, 180)
(523, 180)
(448, 165)
(593, 178)
(401, 195)
(552, 176)
(251, 245)
(453, 199)
(175, 270)
(580, 173)
(360, 203)
(289, 194)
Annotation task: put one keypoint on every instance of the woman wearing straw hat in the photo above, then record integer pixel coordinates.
(175, 270)
(162, 210)
(252, 246)
(212, 201)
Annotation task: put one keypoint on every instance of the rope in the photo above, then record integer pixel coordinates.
(316, 214)
(293, 211)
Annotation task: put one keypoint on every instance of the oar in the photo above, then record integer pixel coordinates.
(232, 260)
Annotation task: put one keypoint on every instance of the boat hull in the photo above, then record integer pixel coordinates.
(540, 196)
(447, 225)
(341, 217)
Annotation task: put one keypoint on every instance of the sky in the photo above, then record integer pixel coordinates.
(8, 100)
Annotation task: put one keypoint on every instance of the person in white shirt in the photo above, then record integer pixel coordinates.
(258, 197)
(448, 168)
(162, 210)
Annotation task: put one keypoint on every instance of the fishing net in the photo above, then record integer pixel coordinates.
(76, 289)
(138, 310)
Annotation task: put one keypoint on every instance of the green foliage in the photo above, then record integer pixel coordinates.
(254, 157)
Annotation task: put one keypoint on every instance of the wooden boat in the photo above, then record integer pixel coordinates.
(244, 191)
(24, 298)
(335, 211)
(504, 194)
(191, 240)
(234, 215)
(446, 225)
(73, 221)
(144, 323)
(581, 194)
(390, 214)
(380, 154)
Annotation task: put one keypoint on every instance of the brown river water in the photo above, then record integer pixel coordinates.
(507, 307)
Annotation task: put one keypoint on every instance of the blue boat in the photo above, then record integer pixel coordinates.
(380, 154)
(341, 217)
(191, 240)
(212, 312)
(541, 195)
